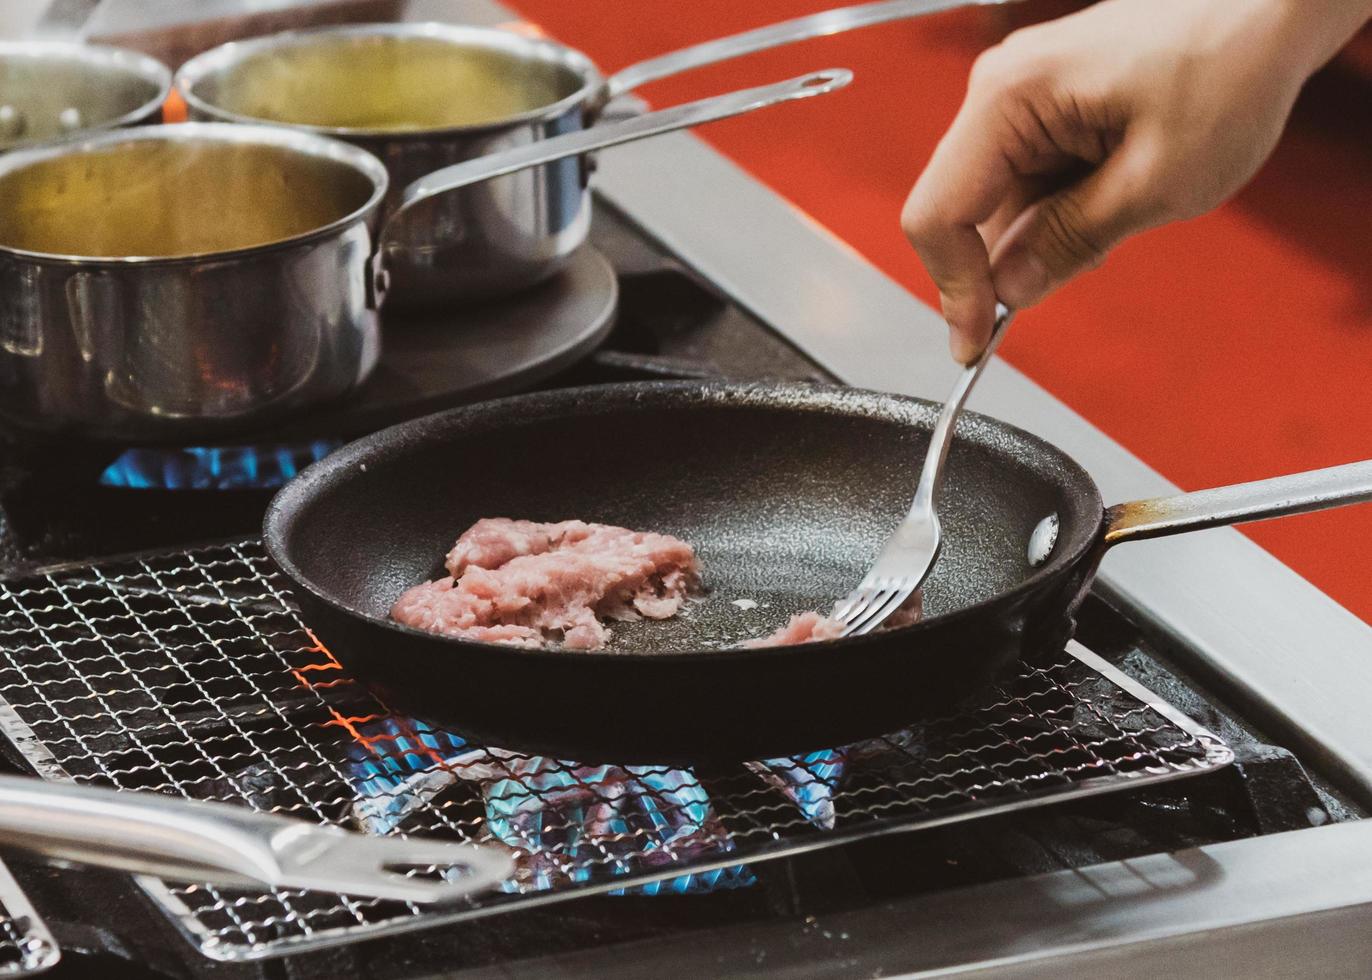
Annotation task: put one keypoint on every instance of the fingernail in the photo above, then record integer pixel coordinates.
(1020, 277)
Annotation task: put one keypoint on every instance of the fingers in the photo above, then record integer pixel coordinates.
(1036, 243)
(1029, 190)
(956, 257)
(967, 178)
(1071, 231)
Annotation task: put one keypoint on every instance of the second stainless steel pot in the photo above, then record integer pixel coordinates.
(170, 282)
(54, 89)
(424, 96)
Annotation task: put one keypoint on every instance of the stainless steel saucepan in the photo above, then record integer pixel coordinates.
(175, 282)
(425, 96)
(53, 89)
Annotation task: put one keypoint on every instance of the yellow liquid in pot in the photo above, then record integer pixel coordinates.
(386, 84)
(173, 198)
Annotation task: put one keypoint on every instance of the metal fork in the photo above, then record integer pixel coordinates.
(910, 552)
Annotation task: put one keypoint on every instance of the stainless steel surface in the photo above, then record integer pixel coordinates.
(433, 200)
(1300, 664)
(1299, 493)
(26, 945)
(910, 552)
(54, 89)
(823, 24)
(226, 846)
(1291, 905)
(187, 673)
(196, 297)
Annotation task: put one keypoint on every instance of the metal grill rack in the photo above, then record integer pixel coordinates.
(189, 673)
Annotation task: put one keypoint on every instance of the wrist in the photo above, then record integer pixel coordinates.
(1313, 31)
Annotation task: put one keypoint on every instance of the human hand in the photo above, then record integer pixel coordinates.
(1079, 132)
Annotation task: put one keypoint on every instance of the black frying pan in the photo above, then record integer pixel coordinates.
(786, 491)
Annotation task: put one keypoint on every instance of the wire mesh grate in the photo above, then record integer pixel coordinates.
(189, 673)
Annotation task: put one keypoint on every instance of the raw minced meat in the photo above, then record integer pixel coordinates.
(806, 627)
(811, 627)
(530, 584)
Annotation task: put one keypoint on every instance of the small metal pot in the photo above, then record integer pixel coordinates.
(53, 89)
(364, 84)
(425, 96)
(173, 282)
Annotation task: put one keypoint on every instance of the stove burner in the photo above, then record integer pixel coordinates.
(808, 781)
(586, 816)
(213, 468)
(188, 673)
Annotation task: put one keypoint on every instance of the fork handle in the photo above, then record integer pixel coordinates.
(931, 476)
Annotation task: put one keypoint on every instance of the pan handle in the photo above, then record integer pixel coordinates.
(787, 32)
(596, 138)
(147, 833)
(1299, 493)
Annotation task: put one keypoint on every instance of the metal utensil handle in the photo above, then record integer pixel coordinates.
(800, 29)
(226, 845)
(1299, 493)
(611, 134)
(931, 476)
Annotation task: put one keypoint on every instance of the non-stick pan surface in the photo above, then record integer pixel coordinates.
(786, 492)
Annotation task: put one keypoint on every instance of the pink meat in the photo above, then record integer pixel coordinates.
(811, 627)
(492, 541)
(806, 627)
(533, 584)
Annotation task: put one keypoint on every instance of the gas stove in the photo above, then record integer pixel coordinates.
(1204, 645)
(217, 723)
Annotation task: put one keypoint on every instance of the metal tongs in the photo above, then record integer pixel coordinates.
(220, 844)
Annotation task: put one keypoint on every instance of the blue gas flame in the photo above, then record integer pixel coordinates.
(213, 467)
(616, 818)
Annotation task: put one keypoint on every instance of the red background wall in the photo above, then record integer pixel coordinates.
(1228, 348)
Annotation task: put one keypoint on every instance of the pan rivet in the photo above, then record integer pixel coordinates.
(1043, 539)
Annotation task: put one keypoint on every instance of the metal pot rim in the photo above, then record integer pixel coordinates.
(306, 143)
(106, 56)
(203, 65)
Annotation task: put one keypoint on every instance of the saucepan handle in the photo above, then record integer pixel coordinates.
(1299, 493)
(787, 32)
(147, 833)
(612, 134)
(539, 152)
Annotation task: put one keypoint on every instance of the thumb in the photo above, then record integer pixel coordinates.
(1071, 231)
